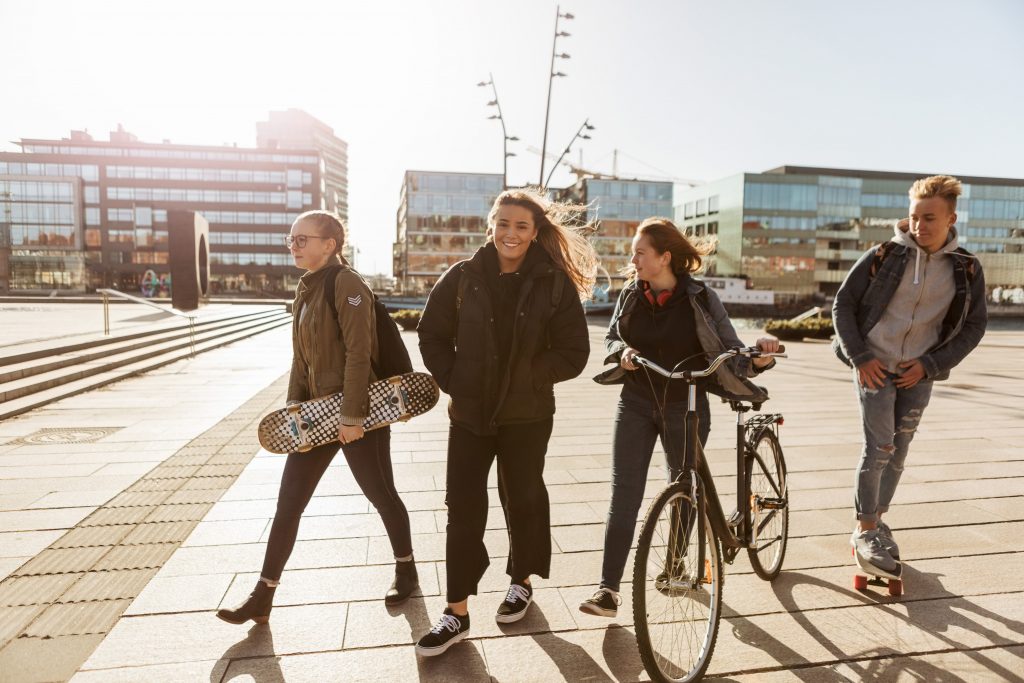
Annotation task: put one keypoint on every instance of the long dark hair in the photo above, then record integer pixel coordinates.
(687, 256)
(567, 245)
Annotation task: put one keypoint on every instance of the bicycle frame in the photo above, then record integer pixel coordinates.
(693, 458)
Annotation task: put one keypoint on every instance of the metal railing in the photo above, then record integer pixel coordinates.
(107, 293)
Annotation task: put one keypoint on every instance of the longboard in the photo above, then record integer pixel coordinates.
(869, 575)
(303, 426)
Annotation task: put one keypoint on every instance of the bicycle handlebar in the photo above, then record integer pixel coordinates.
(749, 351)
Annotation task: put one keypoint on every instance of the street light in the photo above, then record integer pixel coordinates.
(552, 75)
(506, 138)
(579, 134)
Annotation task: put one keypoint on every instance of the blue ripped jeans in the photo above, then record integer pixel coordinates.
(890, 416)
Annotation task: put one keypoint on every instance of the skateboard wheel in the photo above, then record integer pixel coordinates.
(860, 582)
(895, 587)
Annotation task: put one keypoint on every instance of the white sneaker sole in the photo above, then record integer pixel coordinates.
(513, 618)
(590, 608)
(440, 649)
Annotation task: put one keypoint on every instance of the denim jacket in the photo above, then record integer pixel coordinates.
(862, 299)
(714, 331)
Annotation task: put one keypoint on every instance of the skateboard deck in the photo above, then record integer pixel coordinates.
(303, 426)
(869, 575)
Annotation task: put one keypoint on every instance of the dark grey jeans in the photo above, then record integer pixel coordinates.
(638, 424)
(890, 416)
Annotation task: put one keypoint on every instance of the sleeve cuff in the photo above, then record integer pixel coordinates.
(352, 421)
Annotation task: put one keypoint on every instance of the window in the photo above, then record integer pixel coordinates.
(713, 204)
(713, 228)
(702, 207)
(688, 210)
(834, 265)
(92, 194)
(92, 215)
(834, 245)
(294, 200)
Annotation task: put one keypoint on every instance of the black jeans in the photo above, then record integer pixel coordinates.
(520, 450)
(369, 458)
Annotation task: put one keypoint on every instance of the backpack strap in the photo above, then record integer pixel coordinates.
(460, 293)
(881, 253)
(329, 280)
(556, 290)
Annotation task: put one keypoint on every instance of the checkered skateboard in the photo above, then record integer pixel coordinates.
(303, 426)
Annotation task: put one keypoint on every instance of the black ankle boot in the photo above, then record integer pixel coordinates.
(406, 581)
(256, 607)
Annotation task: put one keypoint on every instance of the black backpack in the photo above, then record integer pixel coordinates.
(394, 357)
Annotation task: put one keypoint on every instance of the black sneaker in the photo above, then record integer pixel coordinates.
(449, 630)
(604, 603)
(517, 599)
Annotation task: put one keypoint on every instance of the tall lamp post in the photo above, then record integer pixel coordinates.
(579, 135)
(552, 75)
(506, 138)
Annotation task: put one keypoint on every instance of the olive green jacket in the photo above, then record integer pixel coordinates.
(325, 362)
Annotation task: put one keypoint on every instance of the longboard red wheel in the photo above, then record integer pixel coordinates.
(860, 583)
(895, 587)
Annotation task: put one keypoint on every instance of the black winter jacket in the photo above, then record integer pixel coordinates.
(550, 343)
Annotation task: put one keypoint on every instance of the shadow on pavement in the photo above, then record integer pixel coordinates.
(262, 669)
(939, 613)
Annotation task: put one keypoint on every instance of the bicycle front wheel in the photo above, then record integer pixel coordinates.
(677, 585)
(769, 504)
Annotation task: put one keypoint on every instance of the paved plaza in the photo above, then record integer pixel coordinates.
(119, 539)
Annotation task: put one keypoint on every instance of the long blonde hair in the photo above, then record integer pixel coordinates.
(560, 233)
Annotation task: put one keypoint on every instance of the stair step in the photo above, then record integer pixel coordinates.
(37, 366)
(21, 353)
(22, 405)
(104, 362)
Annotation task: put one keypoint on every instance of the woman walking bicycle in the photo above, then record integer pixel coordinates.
(334, 350)
(666, 315)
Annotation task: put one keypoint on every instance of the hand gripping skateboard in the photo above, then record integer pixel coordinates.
(868, 574)
(303, 426)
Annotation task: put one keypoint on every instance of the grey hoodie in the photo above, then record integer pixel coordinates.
(912, 322)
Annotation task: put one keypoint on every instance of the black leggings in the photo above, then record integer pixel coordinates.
(369, 458)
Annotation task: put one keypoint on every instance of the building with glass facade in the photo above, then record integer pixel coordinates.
(114, 221)
(442, 219)
(617, 207)
(799, 230)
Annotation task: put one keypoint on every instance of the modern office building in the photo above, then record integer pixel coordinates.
(617, 207)
(80, 214)
(798, 230)
(295, 129)
(442, 219)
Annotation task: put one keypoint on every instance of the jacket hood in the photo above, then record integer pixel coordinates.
(537, 260)
(902, 236)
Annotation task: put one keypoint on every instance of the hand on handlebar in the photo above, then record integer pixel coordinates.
(627, 358)
(766, 345)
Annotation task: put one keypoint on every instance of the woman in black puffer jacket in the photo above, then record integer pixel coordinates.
(498, 331)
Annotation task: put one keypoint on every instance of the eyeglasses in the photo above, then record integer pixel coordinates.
(301, 240)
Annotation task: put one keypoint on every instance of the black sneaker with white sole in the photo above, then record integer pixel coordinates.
(450, 629)
(604, 603)
(513, 608)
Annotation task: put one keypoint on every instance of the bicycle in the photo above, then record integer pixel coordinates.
(677, 571)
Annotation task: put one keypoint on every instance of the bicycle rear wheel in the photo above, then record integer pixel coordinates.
(769, 504)
(677, 585)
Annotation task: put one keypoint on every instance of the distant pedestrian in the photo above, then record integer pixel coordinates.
(668, 316)
(498, 331)
(333, 352)
(908, 312)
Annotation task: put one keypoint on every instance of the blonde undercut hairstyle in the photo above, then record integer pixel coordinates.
(945, 186)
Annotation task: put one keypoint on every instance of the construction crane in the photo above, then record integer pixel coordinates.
(577, 171)
(581, 172)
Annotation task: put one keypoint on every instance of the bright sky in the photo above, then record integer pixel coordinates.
(683, 89)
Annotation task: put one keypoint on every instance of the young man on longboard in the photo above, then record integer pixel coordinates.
(908, 312)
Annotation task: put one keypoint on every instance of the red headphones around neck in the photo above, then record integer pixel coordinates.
(662, 297)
